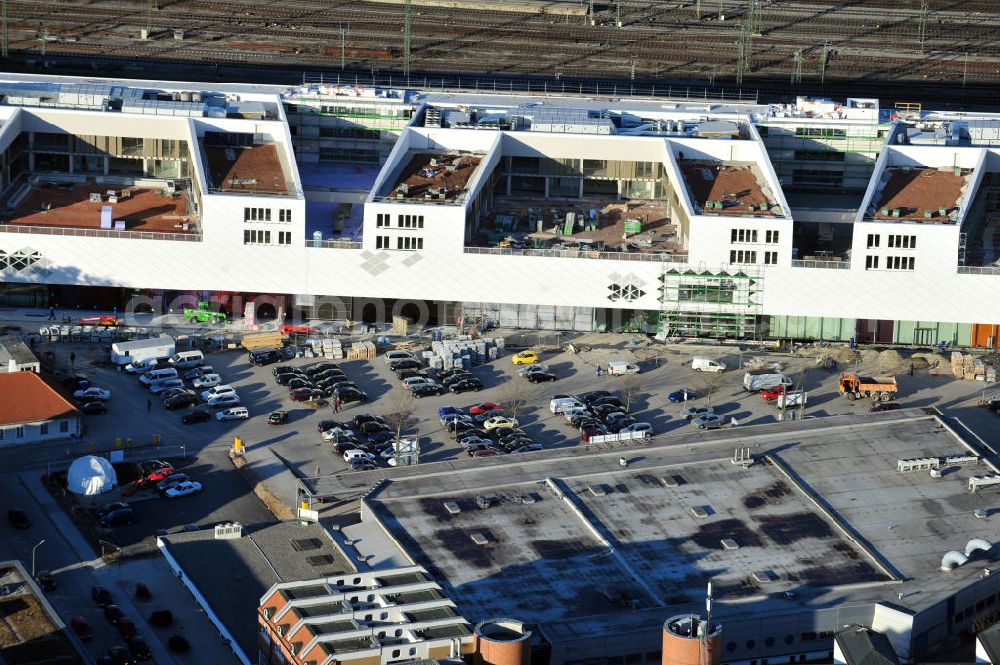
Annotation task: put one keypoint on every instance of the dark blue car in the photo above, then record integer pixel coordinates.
(679, 395)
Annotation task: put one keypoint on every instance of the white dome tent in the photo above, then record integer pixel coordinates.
(90, 475)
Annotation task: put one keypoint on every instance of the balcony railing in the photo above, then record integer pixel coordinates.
(660, 257)
(829, 265)
(100, 233)
(334, 244)
(979, 270)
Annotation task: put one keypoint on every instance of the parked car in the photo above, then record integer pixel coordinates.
(305, 394)
(342, 447)
(499, 421)
(45, 580)
(336, 433)
(455, 378)
(709, 421)
(448, 373)
(117, 518)
(286, 369)
(113, 614)
(101, 596)
(637, 427)
(611, 400)
(360, 419)
(524, 358)
(486, 452)
(428, 390)
(531, 369)
(885, 406)
(616, 425)
(81, 628)
(117, 655)
(594, 430)
(207, 381)
(277, 418)
(351, 395)
(405, 363)
(186, 488)
(170, 481)
(224, 401)
(95, 408)
(682, 395)
(410, 374)
(287, 377)
(260, 358)
(110, 507)
(373, 426)
(298, 382)
(312, 370)
(466, 385)
(93, 392)
(180, 401)
(393, 356)
(530, 448)
(217, 391)
(541, 377)
(409, 383)
(197, 372)
(127, 629)
(170, 392)
(772, 393)
(483, 417)
(19, 518)
(157, 387)
(378, 438)
(233, 413)
(139, 650)
(696, 411)
(593, 395)
(196, 416)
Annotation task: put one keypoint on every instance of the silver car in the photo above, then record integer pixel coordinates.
(696, 411)
(710, 421)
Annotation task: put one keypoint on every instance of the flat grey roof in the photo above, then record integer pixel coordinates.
(829, 518)
(232, 575)
(11, 348)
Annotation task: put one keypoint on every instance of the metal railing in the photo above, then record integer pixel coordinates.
(99, 233)
(660, 257)
(829, 265)
(334, 244)
(979, 270)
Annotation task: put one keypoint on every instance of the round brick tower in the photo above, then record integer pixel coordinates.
(690, 640)
(502, 642)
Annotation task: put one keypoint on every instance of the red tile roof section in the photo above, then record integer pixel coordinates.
(25, 398)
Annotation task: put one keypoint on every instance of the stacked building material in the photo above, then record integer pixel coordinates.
(966, 366)
(332, 350)
(463, 351)
(362, 351)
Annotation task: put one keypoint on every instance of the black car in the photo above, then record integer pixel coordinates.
(885, 406)
(298, 382)
(284, 379)
(328, 375)
(138, 648)
(409, 373)
(514, 444)
(117, 655)
(19, 519)
(95, 408)
(261, 358)
(608, 399)
(455, 378)
(101, 596)
(405, 363)
(592, 396)
(466, 385)
(373, 426)
(117, 518)
(428, 389)
(196, 416)
(342, 447)
(170, 392)
(324, 425)
(180, 401)
(113, 614)
(286, 369)
(605, 410)
(334, 383)
(448, 373)
(320, 367)
(379, 438)
(618, 424)
(540, 377)
(350, 395)
(110, 508)
(498, 433)
(277, 418)
(358, 421)
(459, 426)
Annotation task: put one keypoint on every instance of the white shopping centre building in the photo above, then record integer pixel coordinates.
(817, 220)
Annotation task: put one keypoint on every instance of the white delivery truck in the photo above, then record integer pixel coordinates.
(618, 367)
(123, 353)
(700, 364)
(792, 399)
(755, 382)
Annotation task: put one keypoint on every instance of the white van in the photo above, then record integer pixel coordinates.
(140, 366)
(619, 367)
(187, 359)
(157, 375)
(561, 404)
(218, 391)
(700, 364)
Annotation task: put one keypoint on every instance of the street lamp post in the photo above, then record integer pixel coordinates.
(33, 550)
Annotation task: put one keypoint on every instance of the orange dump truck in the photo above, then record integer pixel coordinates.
(879, 388)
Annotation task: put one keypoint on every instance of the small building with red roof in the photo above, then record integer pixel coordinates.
(32, 411)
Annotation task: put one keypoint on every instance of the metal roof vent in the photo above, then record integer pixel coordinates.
(981, 514)
(764, 576)
(671, 481)
(230, 531)
(701, 512)
(729, 544)
(597, 490)
(479, 538)
(952, 560)
(452, 507)
(977, 545)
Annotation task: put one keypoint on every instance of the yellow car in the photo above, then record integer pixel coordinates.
(525, 358)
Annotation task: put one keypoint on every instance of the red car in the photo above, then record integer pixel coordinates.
(156, 475)
(485, 407)
(81, 628)
(488, 452)
(771, 394)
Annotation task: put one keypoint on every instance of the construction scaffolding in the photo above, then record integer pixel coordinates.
(720, 304)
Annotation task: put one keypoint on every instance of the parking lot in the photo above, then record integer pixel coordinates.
(298, 445)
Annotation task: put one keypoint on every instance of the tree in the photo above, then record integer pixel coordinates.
(711, 382)
(402, 410)
(514, 395)
(631, 388)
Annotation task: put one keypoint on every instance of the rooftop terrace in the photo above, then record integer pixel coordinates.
(682, 514)
(28, 633)
(248, 169)
(435, 177)
(921, 194)
(726, 188)
(78, 206)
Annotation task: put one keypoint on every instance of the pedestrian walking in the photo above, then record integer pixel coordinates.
(598, 370)
(52, 313)
(72, 359)
(336, 405)
(911, 369)
(149, 406)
